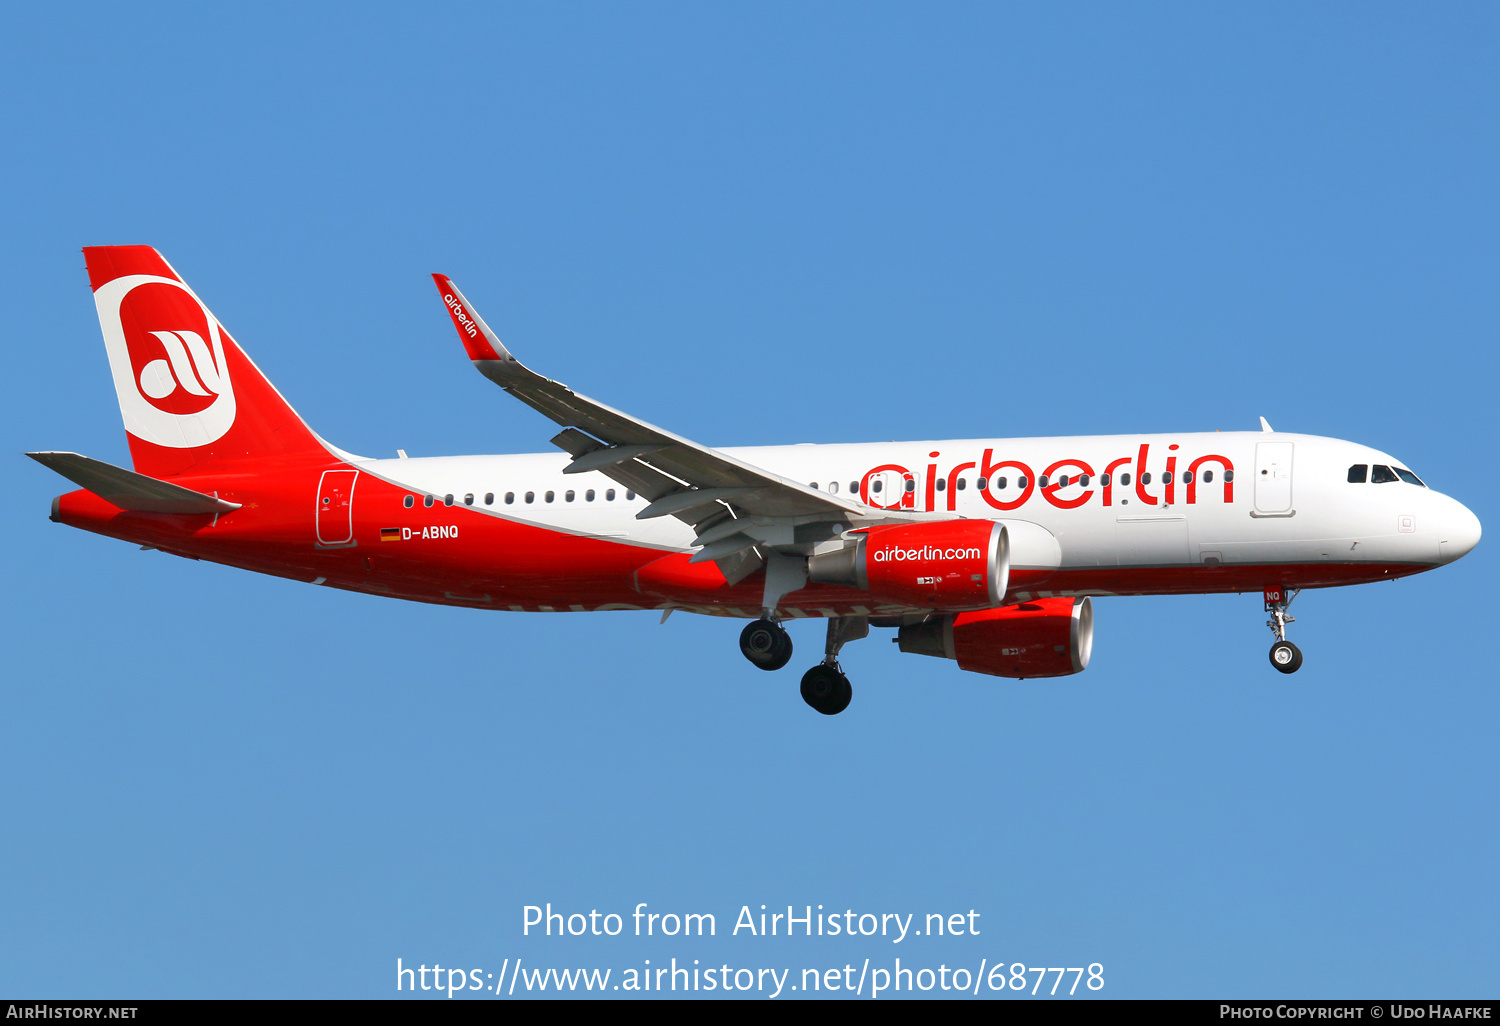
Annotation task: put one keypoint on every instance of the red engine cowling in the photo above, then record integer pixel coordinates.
(949, 565)
(1045, 638)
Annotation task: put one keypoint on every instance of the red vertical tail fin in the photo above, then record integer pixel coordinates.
(189, 395)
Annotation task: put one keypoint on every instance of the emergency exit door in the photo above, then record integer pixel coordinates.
(887, 488)
(1273, 477)
(336, 507)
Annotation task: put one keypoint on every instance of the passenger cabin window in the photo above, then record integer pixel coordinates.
(982, 484)
(962, 484)
(1383, 475)
(609, 495)
(875, 485)
(1042, 481)
(1083, 480)
(510, 498)
(1103, 480)
(489, 498)
(408, 502)
(629, 494)
(531, 496)
(427, 500)
(1208, 477)
(1187, 477)
(853, 486)
(1020, 481)
(1146, 478)
(469, 499)
(1359, 473)
(1229, 475)
(911, 484)
(1409, 477)
(550, 496)
(588, 496)
(1124, 480)
(833, 487)
(448, 499)
(942, 485)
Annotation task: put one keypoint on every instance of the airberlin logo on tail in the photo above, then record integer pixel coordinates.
(166, 354)
(189, 365)
(460, 315)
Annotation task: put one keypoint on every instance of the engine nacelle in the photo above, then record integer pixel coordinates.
(1044, 638)
(949, 565)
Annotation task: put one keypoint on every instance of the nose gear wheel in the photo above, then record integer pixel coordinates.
(1286, 656)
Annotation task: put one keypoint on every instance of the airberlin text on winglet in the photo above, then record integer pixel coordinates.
(460, 315)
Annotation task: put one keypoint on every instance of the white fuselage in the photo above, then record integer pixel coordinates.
(1199, 499)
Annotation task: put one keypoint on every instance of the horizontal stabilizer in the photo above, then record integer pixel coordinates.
(129, 490)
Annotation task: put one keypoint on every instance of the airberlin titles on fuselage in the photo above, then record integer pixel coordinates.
(1061, 476)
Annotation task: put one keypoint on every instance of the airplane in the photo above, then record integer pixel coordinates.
(982, 551)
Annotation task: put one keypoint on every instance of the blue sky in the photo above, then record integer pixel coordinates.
(753, 224)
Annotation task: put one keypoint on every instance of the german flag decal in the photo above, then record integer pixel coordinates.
(390, 534)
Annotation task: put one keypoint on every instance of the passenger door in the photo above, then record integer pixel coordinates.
(336, 508)
(1273, 477)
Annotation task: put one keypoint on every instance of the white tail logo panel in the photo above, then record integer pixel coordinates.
(194, 365)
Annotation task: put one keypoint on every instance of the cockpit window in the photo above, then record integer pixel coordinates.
(1383, 475)
(1359, 473)
(1409, 477)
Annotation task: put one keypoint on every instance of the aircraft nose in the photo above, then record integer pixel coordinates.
(1460, 533)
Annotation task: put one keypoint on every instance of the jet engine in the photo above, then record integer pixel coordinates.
(1045, 638)
(949, 565)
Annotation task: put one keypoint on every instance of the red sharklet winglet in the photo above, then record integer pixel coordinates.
(479, 341)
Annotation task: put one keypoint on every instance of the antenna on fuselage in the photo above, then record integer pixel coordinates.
(1265, 425)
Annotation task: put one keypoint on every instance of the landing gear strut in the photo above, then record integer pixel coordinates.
(766, 644)
(1285, 656)
(825, 687)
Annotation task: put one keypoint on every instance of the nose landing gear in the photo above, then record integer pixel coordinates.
(1285, 656)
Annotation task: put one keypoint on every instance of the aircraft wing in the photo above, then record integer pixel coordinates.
(699, 485)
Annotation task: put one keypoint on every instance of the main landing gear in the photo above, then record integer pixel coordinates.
(766, 644)
(1285, 656)
(825, 687)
